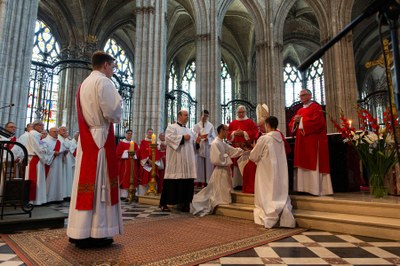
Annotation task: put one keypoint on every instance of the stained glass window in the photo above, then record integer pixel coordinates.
(226, 91)
(125, 74)
(42, 102)
(45, 47)
(189, 79)
(315, 81)
(172, 78)
(124, 66)
(292, 80)
(189, 86)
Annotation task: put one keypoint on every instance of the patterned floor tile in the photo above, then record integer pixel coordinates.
(309, 248)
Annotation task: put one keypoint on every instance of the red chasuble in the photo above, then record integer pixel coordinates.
(251, 128)
(87, 175)
(124, 166)
(311, 141)
(247, 125)
(56, 148)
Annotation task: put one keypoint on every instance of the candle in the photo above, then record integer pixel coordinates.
(132, 146)
(153, 139)
(350, 123)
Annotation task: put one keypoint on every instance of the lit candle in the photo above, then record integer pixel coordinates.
(153, 139)
(350, 123)
(132, 146)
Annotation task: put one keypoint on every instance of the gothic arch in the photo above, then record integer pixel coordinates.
(260, 24)
(318, 9)
(201, 16)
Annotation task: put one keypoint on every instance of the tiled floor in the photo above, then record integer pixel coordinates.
(308, 248)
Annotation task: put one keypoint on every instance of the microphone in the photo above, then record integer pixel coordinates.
(7, 106)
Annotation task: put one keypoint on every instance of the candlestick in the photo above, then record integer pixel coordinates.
(153, 139)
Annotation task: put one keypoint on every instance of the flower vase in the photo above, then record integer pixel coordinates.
(377, 185)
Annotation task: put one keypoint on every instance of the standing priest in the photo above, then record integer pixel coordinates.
(180, 170)
(311, 156)
(95, 211)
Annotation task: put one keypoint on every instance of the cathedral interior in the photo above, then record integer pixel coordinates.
(189, 54)
(198, 54)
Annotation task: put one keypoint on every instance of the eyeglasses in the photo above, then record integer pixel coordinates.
(305, 94)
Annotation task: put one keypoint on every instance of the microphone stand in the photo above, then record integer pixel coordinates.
(390, 10)
(6, 106)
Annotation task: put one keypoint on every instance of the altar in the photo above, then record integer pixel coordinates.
(345, 165)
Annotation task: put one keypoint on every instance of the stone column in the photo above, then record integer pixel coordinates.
(71, 78)
(208, 63)
(150, 66)
(339, 70)
(269, 72)
(17, 28)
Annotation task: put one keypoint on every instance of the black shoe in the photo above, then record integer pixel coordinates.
(186, 207)
(72, 240)
(93, 242)
(82, 243)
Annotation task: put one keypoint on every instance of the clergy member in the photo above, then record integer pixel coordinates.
(38, 156)
(124, 164)
(145, 156)
(55, 181)
(311, 156)
(69, 160)
(180, 170)
(204, 135)
(22, 139)
(218, 190)
(15, 149)
(271, 189)
(95, 210)
(242, 132)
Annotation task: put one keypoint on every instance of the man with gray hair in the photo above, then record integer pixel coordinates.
(38, 156)
(311, 155)
(242, 133)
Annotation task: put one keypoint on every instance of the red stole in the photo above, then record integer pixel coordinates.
(56, 148)
(33, 177)
(90, 151)
(10, 146)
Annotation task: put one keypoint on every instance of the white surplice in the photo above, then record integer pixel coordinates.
(68, 163)
(203, 163)
(271, 187)
(101, 104)
(55, 182)
(218, 190)
(23, 138)
(35, 146)
(181, 163)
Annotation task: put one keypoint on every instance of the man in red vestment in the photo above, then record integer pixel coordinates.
(95, 214)
(145, 156)
(124, 164)
(311, 157)
(242, 132)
